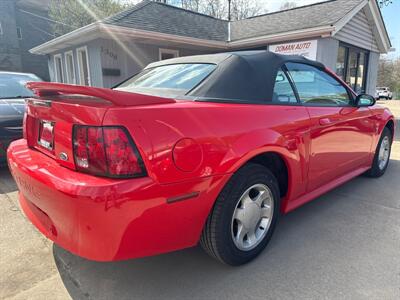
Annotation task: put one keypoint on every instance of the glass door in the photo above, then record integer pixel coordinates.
(351, 66)
(361, 72)
(351, 74)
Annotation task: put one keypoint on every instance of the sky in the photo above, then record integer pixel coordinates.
(391, 16)
(274, 5)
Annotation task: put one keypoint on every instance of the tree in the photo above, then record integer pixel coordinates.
(389, 74)
(68, 15)
(193, 5)
(288, 5)
(240, 9)
(384, 3)
(72, 14)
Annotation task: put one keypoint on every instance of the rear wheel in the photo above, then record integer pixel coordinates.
(382, 155)
(244, 216)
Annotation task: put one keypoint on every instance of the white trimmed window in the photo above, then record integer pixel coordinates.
(58, 68)
(167, 53)
(83, 66)
(70, 67)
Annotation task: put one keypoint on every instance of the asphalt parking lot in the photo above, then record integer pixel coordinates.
(343, 245)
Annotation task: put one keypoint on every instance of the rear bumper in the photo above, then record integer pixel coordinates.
(107, 219)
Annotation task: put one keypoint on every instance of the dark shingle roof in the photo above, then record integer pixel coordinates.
(164, 18)
(314, 15)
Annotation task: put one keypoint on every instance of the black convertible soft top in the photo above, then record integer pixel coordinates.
(244, 76)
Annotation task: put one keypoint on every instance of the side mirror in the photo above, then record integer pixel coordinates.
(363, 100)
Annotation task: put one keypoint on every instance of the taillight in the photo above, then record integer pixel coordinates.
(106, 151)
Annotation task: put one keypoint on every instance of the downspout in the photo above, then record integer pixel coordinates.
(229, 31)
(229, 20)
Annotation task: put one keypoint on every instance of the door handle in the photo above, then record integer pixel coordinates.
(325, 121)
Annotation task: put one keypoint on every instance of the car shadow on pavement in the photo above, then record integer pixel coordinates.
(321, 250)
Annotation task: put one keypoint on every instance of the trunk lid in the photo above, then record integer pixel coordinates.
(51, 116)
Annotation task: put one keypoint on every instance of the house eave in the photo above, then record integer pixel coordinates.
(113, 30)
(381, 33)
(322, 31)
(71, 38)
(373, 14)
(345, 19)
(97, 30)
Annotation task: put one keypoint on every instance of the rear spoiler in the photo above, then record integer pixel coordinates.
(119, 98)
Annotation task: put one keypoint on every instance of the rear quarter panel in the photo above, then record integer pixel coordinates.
(229, 135)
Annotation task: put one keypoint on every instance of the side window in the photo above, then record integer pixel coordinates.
(283, 92)
(316, 87)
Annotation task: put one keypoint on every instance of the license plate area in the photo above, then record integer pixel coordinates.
(46, 135)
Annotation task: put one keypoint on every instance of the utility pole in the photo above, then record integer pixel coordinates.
(229, 10)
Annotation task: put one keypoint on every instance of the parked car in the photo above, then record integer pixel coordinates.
(384, 92)
(208, 149)
(12, 107)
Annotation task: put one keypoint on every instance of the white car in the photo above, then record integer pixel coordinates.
(383, 92)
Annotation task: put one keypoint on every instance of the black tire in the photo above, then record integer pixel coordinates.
(216, 238)
(375, 170)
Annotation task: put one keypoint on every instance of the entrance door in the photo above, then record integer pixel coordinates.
(351, 67)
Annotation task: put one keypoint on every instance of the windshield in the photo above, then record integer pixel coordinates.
(168, 80)
(13, 85)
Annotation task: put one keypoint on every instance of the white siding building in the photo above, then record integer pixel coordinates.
(346, 35)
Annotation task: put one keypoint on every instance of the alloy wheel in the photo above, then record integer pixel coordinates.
(252, 217)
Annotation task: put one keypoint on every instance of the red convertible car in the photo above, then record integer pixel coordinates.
(210, 149)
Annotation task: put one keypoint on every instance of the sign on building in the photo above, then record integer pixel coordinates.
(305, 48)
